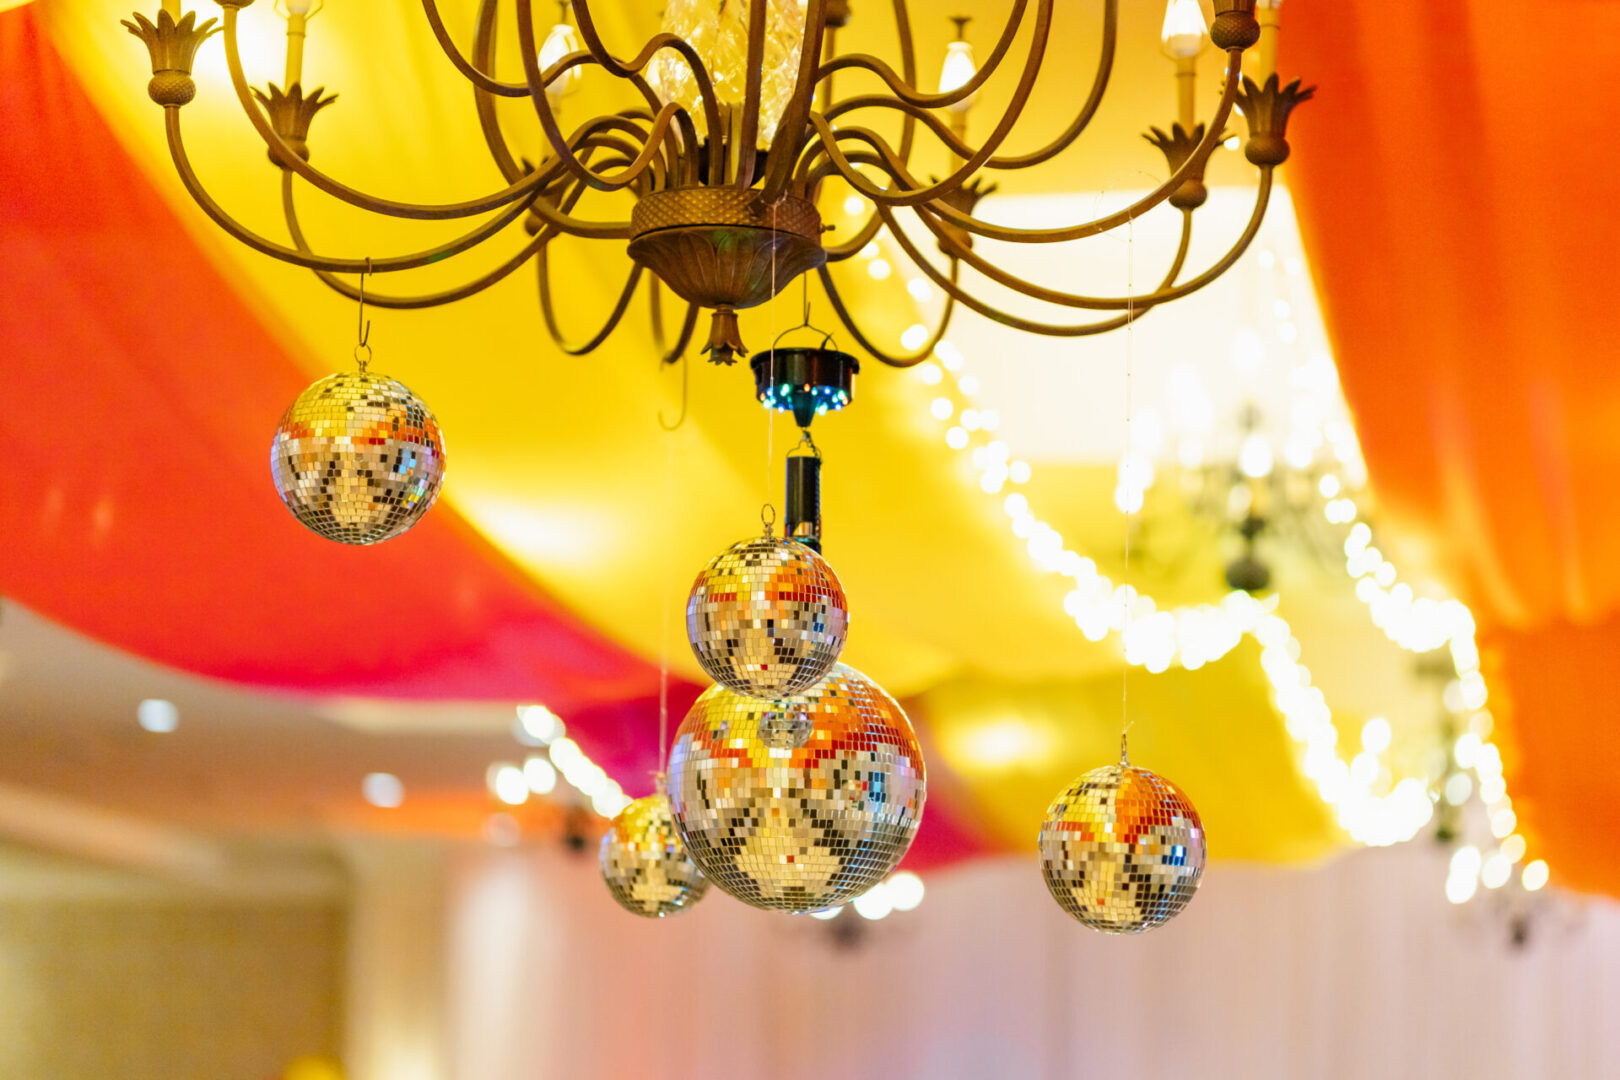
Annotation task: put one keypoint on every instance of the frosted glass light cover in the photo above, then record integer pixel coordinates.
(1184, 28)
(959, 67)
(718, 31)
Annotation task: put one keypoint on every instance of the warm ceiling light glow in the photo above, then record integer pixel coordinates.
(508, 784)
(905, 890)
(383, 789)
(999, 744)
(1535, 875)
(541, 724)
(157, 716)
(541, 775)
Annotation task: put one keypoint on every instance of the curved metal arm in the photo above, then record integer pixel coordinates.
(188, 177)
(688, 325)
(796, 117)
(484, 101)
(598, 52)
(950, 287)
(913, 193)
(285, 155)
(889, 163)
(474, 73)
(910, 359)
(1099, 303)
(446, 296)
(943, 131)
(548, 309)
(905, 88)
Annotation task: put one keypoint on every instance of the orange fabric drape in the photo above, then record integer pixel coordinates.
(1455, 181)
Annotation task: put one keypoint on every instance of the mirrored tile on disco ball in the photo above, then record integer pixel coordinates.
(644, 864)
(358, 458)
(1122, 850)
(767, 617)
(798, 828)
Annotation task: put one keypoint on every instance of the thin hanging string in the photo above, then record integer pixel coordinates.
(769, 511)
(667, 606)
(1130, 490)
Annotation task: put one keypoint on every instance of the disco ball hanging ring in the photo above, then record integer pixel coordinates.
(1122, 849)
(767, 617)
(799, 804)
(644, 865)
(358, 458)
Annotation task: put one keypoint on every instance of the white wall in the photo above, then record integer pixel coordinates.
(1356, 969)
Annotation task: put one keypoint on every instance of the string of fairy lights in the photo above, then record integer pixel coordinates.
(1369, 803)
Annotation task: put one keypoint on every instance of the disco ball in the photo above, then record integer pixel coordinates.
(798, 804)
(358, 458)
(1122, 850)
(644, 864)
(767, 618)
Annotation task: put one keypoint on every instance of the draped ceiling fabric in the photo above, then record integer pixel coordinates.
(147, 354)
(1456, 188)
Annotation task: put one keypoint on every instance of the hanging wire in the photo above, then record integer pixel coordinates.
(661, 777)
(363, 325)
(1130, 491)
(770, 422)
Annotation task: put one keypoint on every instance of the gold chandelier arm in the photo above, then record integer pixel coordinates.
(904, 361)
(598, 52)
(852, 246)
(905, 88)
(796, 117)
(669, 354)
(1088, 109)
(193, 185)
(460, 292)
(889, 162)
(289, 158)
(549, 312)
(473, 72)
(952, 289)
(747, 138)
(484, 101)
(538, 97)
(957, 146)
(1096, 303)
(914, 194)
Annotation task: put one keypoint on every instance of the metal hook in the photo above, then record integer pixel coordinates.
(686, 374)
(363, 324)
(826, 335)
(767, 516)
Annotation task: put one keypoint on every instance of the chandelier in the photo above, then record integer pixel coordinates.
(734, 132)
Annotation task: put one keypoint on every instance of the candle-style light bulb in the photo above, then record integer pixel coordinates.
(1268, 13)
(1184, 31)
(959, 67)
(1183, 34)
(562, 40)
(298, 16)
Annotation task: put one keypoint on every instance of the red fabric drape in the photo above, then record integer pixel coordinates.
(1455, 180)
(139, 396)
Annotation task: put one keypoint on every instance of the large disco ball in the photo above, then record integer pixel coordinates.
(1122, 850)
(767, 617)
(645, 866)
(358, 458)
(798, 804)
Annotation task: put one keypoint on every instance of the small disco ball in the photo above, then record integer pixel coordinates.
(798, 804)
(767, 618)
(644, 864)
(358, 458)
(1122, 850)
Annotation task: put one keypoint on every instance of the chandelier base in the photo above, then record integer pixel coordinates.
(722, 248)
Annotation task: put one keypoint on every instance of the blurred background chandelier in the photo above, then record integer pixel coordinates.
(733, 133)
